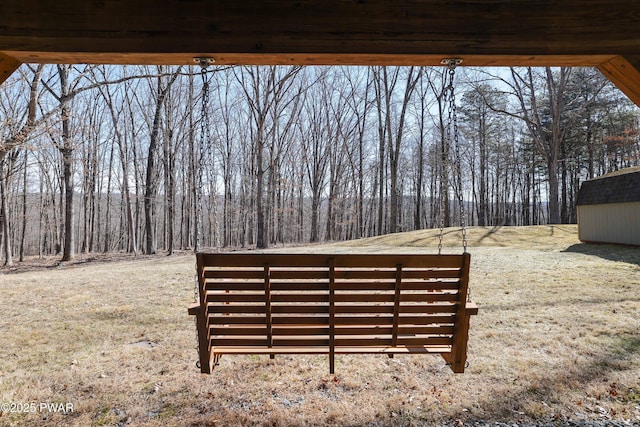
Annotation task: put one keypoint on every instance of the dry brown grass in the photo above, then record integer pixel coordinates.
(557, 339)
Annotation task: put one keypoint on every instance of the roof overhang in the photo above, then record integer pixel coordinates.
(600, 33)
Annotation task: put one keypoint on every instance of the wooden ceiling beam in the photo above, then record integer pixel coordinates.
(602, 33)
(229, 58)
(8, 65)
(377, 27)
(624, 72)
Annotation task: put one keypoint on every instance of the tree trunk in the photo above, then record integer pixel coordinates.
(67, 164)
(4, 221)
(24, 205)
(150, 192)
(261, 229)
(150, 180)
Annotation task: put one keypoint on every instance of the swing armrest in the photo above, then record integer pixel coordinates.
(194, 309)
(471, 308)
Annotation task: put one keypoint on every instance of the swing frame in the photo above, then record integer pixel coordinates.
(272, 303)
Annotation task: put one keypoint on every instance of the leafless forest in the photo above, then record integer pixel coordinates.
(150, 159)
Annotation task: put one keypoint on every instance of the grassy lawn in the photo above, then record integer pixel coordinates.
(557, 339)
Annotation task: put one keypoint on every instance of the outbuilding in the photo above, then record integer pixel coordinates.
(609, 208)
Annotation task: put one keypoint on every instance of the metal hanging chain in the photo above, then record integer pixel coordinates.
(458, 160)
(200, 163)
(443, 185)
(444, 166)
(204, 138)
(452, 129)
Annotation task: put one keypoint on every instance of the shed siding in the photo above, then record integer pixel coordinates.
(610, 223)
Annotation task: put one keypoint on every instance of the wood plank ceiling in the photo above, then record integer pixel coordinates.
(601, 33)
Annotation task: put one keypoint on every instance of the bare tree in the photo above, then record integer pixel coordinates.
(150, 194)
(548, 116)
(264, 89)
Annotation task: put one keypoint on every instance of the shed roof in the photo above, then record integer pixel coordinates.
(622, 186)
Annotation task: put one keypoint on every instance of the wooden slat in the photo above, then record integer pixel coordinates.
(363, 309)
(304, 341)
(235, 298)
(236, 320)
(302, 309)
(301, 320)
(357, 341)
(380, 273)
(438, 285)
(220, 273)
(431, 341)
(219, 285)
(302, 330)
(425, 285)
(231, 331)
(364, 285)
(248, 340)
(298, 286)
(429, 308)
(388, 320)
(320, 260)
(339, 320)
(426, 330)
(369, 274)
(235, 309)
(365, 330)
(402, 330)
(434, 297)
(366, 298)
(299, 274)
(431, 273)
(300, 298)
(339, 350)
(381, 309)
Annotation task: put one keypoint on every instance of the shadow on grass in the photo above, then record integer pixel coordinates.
(619, 253)
(620, 355)
(489, 233)
(528, 306)
(529, 400)
(432, 241)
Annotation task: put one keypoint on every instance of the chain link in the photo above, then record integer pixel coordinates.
(443, 185)
(204, 139)
(452, 138)
(453, 120)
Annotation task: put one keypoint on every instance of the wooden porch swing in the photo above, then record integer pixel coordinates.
(273, 303)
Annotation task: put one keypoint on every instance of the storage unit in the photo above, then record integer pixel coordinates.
(609, 208)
